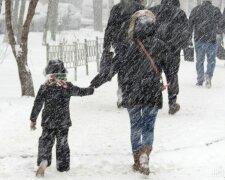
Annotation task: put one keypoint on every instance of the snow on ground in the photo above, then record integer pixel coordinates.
(189, 145)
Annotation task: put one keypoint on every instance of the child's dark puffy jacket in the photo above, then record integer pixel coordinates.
(56, 100)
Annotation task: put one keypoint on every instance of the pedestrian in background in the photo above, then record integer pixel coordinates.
(172, 28)
(204, 21)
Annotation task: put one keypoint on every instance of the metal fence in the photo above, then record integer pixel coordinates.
(77, 54)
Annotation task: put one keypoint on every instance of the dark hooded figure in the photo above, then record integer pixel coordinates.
(55, 96)
(116, 31)
(140, 85)
(172, 25)
(205, 22)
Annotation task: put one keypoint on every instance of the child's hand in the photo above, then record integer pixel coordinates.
(33, 126)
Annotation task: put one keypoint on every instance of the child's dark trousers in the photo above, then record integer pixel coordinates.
(46, 142)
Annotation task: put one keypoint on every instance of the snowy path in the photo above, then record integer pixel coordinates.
(189, 145)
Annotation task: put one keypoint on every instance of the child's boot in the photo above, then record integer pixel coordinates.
(41, 170)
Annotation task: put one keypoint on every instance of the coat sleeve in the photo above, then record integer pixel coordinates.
(182, 33)
(105, 73)
(191, 22)
(38, 104)
(77, 91)
(218, 18)
(222, 21)
(109, 30)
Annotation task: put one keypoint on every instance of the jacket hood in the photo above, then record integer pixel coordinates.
(171, 2)
(140, 23)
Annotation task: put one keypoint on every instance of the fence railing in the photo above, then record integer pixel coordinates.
(77, 54)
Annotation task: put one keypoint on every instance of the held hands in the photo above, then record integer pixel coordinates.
(33, 126)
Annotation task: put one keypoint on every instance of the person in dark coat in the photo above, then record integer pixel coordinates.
(118, 19)
(172, 28)
(115, 33)
(140, 85)
(204, 20)
(55, 95)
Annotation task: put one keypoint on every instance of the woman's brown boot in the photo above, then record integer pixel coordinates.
(136, 165)
(144, 160)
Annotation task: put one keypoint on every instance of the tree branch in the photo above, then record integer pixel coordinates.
(8, 20)
(30, 14)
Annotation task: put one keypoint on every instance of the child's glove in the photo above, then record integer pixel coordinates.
(33, 126)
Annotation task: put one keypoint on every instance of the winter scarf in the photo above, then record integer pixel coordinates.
(134, 18)
(57, 79)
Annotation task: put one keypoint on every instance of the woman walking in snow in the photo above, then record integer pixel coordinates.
(140, 85)
(55, 96)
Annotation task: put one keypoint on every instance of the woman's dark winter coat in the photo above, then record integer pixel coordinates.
(139, 83)
(172, 24)
(204, 20)
(56, 104)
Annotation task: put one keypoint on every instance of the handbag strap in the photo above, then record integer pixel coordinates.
(153, 64)
(149, 57)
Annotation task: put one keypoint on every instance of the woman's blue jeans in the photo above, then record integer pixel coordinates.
(142, 121)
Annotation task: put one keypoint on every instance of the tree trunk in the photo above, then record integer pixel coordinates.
(20, 50)
(25, 75)
(15, 15)
(47, 22)
(54, 19)
(20, 20)
(0, 6)
(97, 7)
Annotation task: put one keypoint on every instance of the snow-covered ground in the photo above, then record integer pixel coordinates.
(189, 145)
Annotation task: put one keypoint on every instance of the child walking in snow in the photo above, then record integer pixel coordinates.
(55, 96)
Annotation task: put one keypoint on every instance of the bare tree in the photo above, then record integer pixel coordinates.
(51, 22)
(44, 41)
(97, 6)
(20, 50)
(54, 19)
(15, 14)
(0, 6)
(20, 20)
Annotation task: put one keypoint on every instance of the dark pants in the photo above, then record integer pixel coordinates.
(46, 142)
(171, 69)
